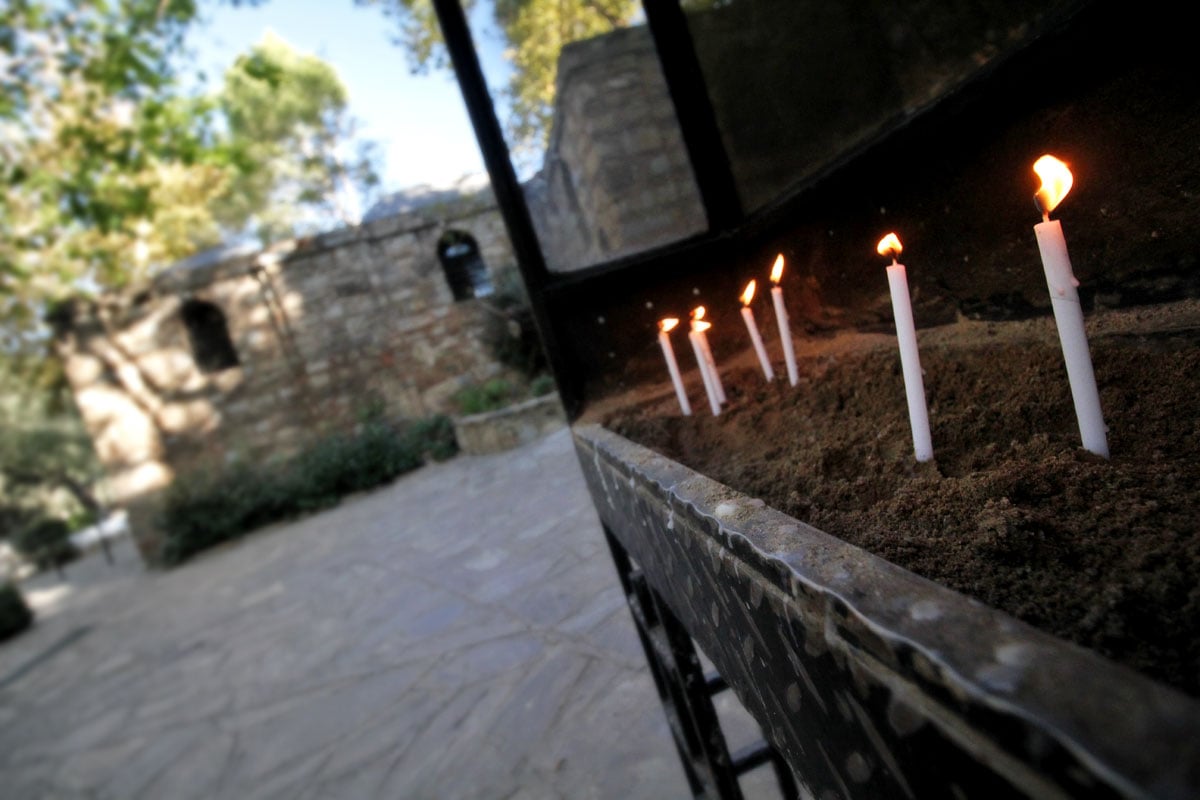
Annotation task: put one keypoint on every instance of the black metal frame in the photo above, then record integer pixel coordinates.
(730, 229)
(710, 167)
(505, 185)
(686, 694)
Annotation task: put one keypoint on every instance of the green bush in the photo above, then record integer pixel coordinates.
(433, 438)
(46, 543)
(81, 519)
(510, 332)
(495, 394)
(203, 511)
(541, 385)
(15, 615)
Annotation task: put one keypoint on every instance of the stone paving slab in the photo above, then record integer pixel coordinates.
(458, 634)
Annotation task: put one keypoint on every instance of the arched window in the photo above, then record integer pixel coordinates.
(465, 271)
(209, 336)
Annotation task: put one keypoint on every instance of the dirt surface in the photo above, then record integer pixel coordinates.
(1012, 511)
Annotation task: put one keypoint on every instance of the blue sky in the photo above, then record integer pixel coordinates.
(419, 120)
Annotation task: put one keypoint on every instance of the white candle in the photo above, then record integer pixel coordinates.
(1064, 299)
(664, 340)
(714, 377)
(752, 328)
(781, 316)
(910, 357)
(698, 349)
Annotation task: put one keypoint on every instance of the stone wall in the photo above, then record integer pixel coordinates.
(325, 330)
(616, 178)
(506, 428)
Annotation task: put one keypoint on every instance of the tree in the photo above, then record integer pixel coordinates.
(535, 31)
(106, 169)
(287, 127)
(45, 448)
(109, 169)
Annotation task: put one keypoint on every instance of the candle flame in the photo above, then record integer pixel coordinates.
(667, 325)
(699, 327)
(698, 312)
(889, 246)
(748, 294)
(1056, 182)
(777, 270)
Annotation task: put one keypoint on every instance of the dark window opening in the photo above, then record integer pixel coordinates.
(209, 336)
(465, 271)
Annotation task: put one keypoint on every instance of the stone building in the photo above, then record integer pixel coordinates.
(616, 177)
(248, 355)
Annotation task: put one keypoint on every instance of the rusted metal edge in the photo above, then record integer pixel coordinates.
(872, 681)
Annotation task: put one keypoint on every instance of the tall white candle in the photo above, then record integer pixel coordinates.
(910, 356)
(698, 348)
(781, 317)
(752, 328)
(664, 340)
(701, 328)
(1064, 298)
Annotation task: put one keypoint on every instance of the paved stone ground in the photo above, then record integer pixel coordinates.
(459, 634)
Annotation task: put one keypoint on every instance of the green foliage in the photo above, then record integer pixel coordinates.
(98, 143)
(205, 510)
(81, 519)
(495, 394)
(46, 543)
(108, 169)
(510, 332)
(285, 113)
(47, 463)
(15, 615)
(541, 385)
(433, 438)
(340, 465)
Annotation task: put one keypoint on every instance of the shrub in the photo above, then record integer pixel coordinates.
(82, 519)
(510, 332)
(205, 510)
(15, 615)
(493, 395)
(46, 543)
(433, 438)
(541, 385)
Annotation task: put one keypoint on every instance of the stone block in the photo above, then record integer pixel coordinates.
(506, 428)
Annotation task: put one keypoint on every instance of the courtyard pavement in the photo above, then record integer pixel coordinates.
(458, 634)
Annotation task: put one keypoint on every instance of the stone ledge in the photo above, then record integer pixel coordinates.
(497, 431)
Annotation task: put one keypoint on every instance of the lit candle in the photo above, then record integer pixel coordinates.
(785, 333)
(696, 337)
(752, 327)
(910, 358)
(665, 327)
(718, 387)
(1068, 314)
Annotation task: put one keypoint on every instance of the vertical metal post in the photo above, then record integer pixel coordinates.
(697, 120)
(509, 195)
(681, 685)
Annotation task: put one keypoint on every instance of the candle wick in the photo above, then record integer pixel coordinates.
(895, 262)
(1045, 216)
